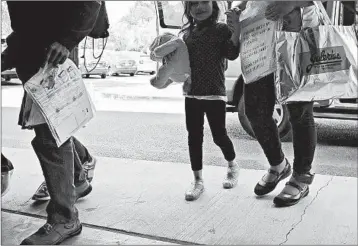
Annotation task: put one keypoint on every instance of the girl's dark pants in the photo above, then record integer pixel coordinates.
(215, 111)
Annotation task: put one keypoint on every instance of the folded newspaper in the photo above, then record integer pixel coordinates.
(62, 99)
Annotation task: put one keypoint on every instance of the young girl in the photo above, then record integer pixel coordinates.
(209, 44)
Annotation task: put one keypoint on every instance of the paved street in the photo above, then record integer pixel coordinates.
(153, 128)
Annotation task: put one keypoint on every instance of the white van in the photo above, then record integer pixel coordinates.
(170, 17)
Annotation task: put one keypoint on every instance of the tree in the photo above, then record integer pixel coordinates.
(173, 13)
(134, 31)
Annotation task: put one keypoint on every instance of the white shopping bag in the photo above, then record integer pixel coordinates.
(319, 63)
(257, 42)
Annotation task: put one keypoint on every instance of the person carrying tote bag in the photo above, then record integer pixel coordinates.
(318, 63)
(260, 100)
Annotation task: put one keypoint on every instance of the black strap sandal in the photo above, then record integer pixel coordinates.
(263, 187)
(285, 200)
(306, 178)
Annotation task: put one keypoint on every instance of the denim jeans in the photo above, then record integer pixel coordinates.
(61, 166)
(215, 111)
(58, 169)
(81, 156)
(260, 99)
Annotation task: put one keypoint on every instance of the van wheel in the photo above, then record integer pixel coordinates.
(103, 76)
(152, 73)
(87, 76)
(280, 116)
(131, 74)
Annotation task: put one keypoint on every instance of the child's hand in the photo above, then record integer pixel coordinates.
(187, 86)
(242, 5)
(277, 10)
(233, 19)
(152, 56)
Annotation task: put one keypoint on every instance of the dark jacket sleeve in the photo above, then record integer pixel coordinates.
(81, 18)
(229, 50)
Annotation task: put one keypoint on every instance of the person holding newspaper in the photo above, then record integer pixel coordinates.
(87, 161)
(260, 100)
(45, 33)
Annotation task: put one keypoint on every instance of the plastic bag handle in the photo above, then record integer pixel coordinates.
(323, 16)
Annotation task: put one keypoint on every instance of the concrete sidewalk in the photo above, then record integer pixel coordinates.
(142, 202)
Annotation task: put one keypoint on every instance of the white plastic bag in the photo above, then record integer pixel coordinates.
(319, 63)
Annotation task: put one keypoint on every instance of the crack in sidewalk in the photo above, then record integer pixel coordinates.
(304, 211)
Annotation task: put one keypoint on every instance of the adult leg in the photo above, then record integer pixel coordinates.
(58, 168)
(57, 165)
(84, 170)
(84, 165)
(87, 161)
(304, 136)
(304, 145)
(82, 151)
(259, 106)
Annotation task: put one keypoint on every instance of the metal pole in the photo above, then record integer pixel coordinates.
(157, 25)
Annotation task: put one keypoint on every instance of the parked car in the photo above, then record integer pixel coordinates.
(146, 65)
(126, 62)
(8, 75)
(92, 68)
(332, 109)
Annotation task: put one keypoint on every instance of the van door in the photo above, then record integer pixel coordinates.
(170, 14)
